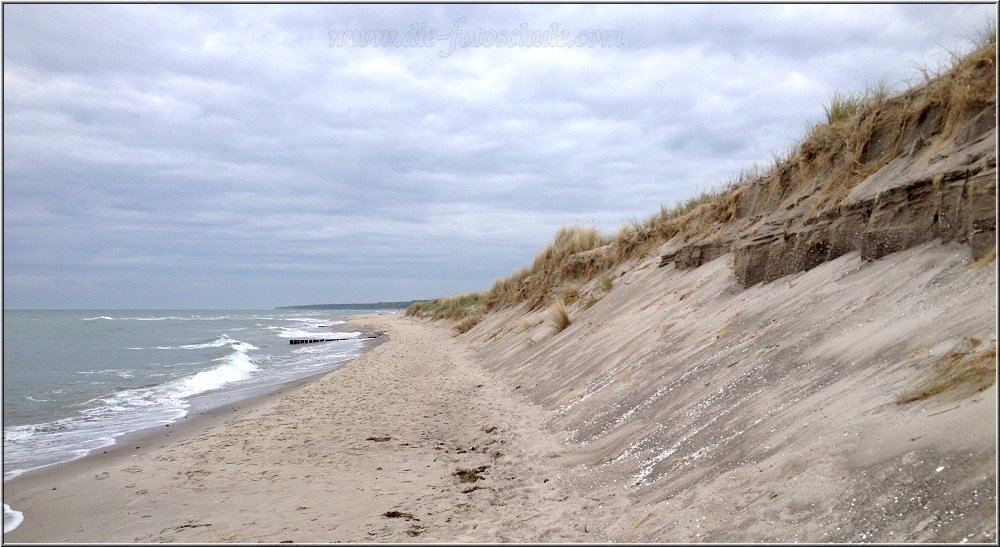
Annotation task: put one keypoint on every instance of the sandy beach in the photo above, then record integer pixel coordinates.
(804, 351)
(628, 425)
(409, 442)
(794, 341)
(711, 431)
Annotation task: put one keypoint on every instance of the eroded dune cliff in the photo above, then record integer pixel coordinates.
(810, 355)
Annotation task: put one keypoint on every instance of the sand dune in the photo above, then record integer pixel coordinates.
(772, 413)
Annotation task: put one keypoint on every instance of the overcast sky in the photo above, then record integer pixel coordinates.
(191, 156)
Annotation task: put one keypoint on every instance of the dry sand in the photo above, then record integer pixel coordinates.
(326, 463)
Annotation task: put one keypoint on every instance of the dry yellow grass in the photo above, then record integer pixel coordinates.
(630, 533)
(990, 256)
(524, 324)
(453, 307)
(607, 283)
(570, 293)
(466, 324)
(550, 269)
(961, 373)
(559, 316)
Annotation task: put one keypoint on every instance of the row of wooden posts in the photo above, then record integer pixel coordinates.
(313, 340)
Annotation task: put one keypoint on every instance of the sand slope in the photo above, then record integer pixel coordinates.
(770, 413)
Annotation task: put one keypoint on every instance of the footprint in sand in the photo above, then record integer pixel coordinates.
(102, 476)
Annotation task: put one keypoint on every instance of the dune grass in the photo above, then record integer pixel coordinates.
(844, 105)
(607, 283)
(570, 293)
(454, 307)
(568, 241)
(988, 256)
(468, 323)
(862, 132)
(548, 271)
(986, 36)
(961, 373)
(559, 316)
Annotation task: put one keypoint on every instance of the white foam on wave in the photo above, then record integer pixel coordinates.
(296, 333)
(17, 432)
(24, 439)
(11, 519)
(116, 372)
(237, 366)
(162, 318)
(105, 418)
(311, 320)
(314, 322)
(223, 340)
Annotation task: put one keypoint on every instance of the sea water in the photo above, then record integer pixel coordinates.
(75, 381)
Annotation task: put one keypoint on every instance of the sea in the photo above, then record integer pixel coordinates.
(77, 381)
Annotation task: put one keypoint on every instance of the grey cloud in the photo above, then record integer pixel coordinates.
(226, 156)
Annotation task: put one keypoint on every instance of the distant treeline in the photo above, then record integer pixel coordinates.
(370, 306)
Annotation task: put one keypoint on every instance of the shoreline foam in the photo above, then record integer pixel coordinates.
(64, 430)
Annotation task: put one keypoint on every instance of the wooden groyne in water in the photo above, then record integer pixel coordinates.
(313, 340)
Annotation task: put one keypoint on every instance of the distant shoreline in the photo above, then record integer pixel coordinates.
(402, 305)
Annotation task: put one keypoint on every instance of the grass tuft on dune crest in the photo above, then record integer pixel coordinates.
(453, 307)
